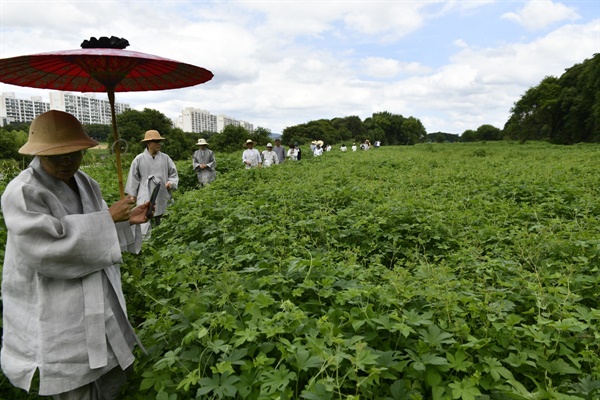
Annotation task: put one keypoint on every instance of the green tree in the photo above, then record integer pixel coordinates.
(99, 132)
(469, 136)
(133, 124)
(230, 140)
(488, 132)
(10, 143)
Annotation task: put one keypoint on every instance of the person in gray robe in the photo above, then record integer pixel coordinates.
(149, 169)
(279, 150)
(63, 307)
(203, 162)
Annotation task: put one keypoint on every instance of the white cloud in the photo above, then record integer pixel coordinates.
(539, 14)
(282, 63)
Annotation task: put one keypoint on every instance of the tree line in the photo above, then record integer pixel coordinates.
(562, 110)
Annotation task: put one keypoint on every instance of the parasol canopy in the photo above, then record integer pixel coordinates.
(101, 65)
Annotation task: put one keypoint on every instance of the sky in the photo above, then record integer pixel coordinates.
(455, 65)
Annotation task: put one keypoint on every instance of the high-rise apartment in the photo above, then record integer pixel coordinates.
(21, 110)
(87, 108)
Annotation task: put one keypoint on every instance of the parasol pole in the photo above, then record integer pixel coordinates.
(111, 99)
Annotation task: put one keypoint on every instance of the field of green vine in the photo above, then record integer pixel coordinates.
(435, 271)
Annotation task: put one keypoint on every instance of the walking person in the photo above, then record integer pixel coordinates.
(251, 157)
(64, 312)
(149, 169)
(279, 150)
(203, 162)
(269, 157)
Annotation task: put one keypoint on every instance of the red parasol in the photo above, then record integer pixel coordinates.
(101, 65)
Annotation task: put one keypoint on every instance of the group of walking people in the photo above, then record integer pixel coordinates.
(273, 155)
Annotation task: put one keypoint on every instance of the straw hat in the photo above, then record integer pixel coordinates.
(202, 142)
(269, 145)
(56, 132)
(152, 135)
(249, 141)
(319, 143)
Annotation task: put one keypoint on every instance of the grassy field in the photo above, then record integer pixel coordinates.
(435, 271)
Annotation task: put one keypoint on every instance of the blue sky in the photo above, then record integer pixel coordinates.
(455, 65)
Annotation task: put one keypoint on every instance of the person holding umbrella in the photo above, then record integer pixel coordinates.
(64, 311)
(203, 162)
(149, 169)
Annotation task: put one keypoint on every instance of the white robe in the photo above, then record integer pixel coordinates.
(63, 307)
(253, 156)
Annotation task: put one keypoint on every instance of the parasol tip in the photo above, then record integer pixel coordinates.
(105, 43)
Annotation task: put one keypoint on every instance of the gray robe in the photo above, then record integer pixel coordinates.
(147, 171)
(63, 307)
(207, 157)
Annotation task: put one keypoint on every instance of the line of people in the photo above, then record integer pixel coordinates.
(273, 155)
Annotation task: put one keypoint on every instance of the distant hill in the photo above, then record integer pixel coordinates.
(275, 135)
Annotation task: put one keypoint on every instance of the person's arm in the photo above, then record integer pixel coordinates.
(195, 162)
(52, 243)
(212, 163)
(133, 178)
(173, 179)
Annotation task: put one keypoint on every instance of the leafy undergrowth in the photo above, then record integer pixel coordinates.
(425, 272)
(463, 271)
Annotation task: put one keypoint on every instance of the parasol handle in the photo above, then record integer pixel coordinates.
(111, 99)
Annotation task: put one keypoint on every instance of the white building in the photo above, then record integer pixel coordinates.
(86, 107)
(197, 120)
(21, 110)
(224, 120)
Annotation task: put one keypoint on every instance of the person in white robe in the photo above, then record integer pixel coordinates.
(63, 307)
(269, 157)
(292, 152)
(251, 157)
(149, 169)
(203, 162)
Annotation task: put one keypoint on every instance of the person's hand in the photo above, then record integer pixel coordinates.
(138, 214)
(121, 210)
(168, 185)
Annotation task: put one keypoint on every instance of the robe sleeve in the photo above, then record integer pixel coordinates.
(70, 246)
(133, 179)
(173, 175)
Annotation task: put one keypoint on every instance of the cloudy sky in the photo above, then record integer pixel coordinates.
(455, 64)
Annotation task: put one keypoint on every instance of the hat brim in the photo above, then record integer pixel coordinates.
(37, 149)
(247, 143)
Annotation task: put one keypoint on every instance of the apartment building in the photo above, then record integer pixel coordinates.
(198, 121)
(86, 107)
(21, 110)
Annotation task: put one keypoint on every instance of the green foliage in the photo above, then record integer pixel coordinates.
(230, 140)
(390, 129)
(10, 142)
(563, 110)
(99, 132)
(464, 271)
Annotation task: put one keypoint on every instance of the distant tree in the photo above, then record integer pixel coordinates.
(469, 136)
(561, 110)
(99, 132)
(133, 124)
(230, 140)
(180, 145)
(414, 131)
(488, 133)
(261, 136)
